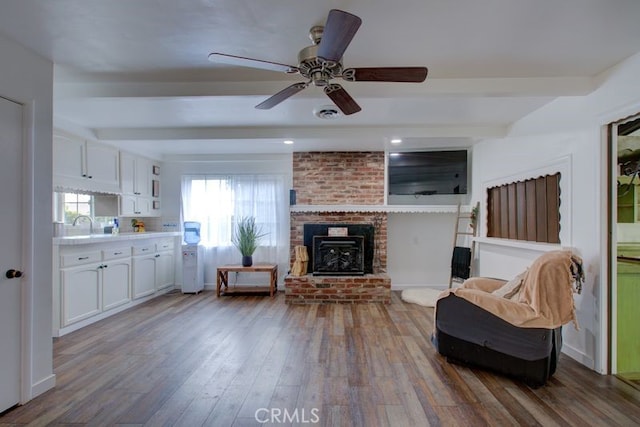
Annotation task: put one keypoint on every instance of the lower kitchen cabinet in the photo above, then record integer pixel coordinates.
(80, 292)
(165, 268)
(93, 281)
(154, 271)
(144, 275)
(116, 283)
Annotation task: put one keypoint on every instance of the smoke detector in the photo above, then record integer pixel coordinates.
(327, 112)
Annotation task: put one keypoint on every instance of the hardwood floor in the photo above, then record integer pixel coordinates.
(200, 360)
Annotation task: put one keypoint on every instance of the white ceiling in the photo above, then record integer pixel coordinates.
(136, 72)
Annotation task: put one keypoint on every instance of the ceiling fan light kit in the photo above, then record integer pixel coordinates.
(327, 112)
(321, 62)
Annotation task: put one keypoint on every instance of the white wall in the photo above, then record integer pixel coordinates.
(28, 78)
(419, 249)
(567, 131)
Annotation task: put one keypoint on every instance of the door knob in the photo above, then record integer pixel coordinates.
(12, 274)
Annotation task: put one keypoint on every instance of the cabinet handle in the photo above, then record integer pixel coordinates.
(157, 255)
(82, 258)
(117, 253)
(105, 266)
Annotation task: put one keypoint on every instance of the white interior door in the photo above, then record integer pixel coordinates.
(10, 251)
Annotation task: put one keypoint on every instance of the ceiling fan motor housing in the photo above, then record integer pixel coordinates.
(316, 69)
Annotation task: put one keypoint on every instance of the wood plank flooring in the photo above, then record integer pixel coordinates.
(194, 360)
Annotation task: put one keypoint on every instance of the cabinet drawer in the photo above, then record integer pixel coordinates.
(164, 246)
(69, 260)
(116, 253)
(144, 249)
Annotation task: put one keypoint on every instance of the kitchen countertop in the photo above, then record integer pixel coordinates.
(100, 238)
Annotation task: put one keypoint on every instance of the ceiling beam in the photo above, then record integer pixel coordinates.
(483, 87)
(279, 133)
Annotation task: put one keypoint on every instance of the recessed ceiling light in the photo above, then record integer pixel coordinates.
(288, 141)
(396, 141)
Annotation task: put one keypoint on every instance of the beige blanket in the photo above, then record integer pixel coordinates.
(545, 299)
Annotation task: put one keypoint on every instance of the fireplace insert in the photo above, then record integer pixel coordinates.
(338, 255)
(364, 231)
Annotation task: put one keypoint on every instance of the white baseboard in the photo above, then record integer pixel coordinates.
(578, 356)
(43, 385)
(401, 287)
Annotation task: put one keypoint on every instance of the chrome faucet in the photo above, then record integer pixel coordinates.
(90, 222)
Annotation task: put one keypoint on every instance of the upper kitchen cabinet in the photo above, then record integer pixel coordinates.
(79, 164)
(135, 175)
(137, 186)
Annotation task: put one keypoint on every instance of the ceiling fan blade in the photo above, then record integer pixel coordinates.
(338, 32)
(281, 96)
(386, 74)
(241, 61)
(342, 99)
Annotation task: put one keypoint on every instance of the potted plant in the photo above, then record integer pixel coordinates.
(246, 238)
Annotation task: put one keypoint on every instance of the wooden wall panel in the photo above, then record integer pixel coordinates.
(553, 208)
(513, 213)
(541, 210)
(493, 205)
(526, 210)
(530, 190)
(521, 211)
(504, 212)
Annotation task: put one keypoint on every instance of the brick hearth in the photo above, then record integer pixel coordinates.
(337, 289)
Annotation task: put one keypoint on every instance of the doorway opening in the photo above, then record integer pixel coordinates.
(625, 249)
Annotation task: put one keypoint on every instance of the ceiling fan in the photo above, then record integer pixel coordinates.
(322, 62)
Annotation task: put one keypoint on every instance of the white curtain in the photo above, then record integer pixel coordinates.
(217, 202)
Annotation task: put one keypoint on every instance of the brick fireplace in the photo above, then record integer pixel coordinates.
(337, 183)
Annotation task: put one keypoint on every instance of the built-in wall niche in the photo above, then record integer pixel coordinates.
(428, 177)
(526, 210)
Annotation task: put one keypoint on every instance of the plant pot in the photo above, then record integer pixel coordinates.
(247, 260)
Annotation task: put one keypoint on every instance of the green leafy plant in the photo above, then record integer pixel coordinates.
(247, 235)
(474, 216)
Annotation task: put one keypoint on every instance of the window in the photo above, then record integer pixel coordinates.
(67, 207)
(76, 204)
(218, 202)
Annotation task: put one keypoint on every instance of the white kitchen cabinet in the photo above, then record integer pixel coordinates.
(165, 265)
(153, 268)
(97, 277)
(135, 186)
(116, 277)
(144, 270)
(80, 292)
(93, 282)
(84, 165)
(135, 175)
(131, 205)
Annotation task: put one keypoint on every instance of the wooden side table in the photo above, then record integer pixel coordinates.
(222, 278)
